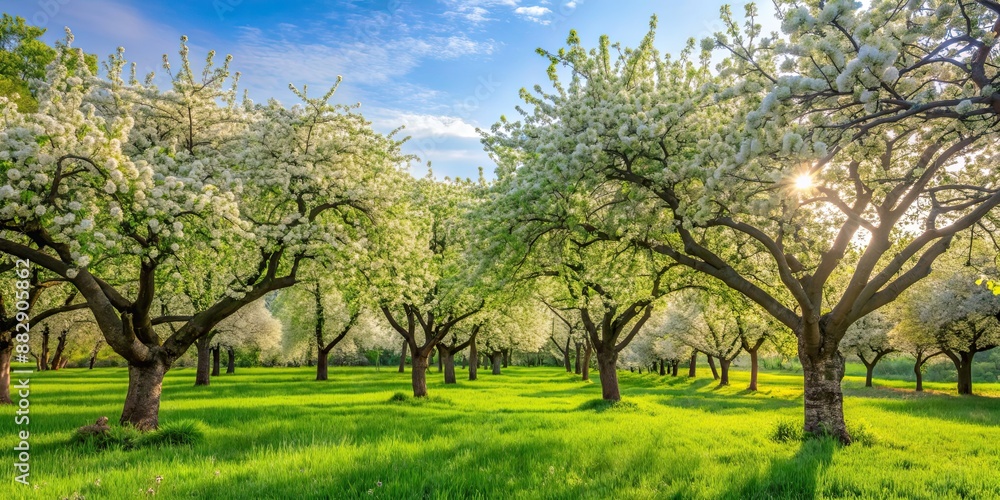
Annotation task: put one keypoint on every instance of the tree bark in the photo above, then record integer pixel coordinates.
(965, 373)
(201, 375)
(418, 370)
(323, 365)
(753, 371)
(869, 371)
(215, 360)
(506, 357)
(724, 367)
(142, 403)
(824, 398)
(402, 357)
(447, 358)
(57, 356)
(496, 357)
(607, 364)
(5, 355)
(693, 365)
(588, 351)
(94, 353)
(711, 364)
(43, 359)
(663, 370)
(473, 360)
(576, 367)
(231, 365)
(919, 372)
(673, 367)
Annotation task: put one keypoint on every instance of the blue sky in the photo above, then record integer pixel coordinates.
(439, 67)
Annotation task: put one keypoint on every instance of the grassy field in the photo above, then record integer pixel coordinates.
(529, 433)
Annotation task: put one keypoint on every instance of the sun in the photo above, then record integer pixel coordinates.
(804, 182)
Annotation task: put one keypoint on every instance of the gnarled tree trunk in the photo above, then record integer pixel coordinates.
(142, 403)
(58, 362)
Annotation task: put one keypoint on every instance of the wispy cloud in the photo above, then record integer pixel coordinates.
(535, 13)
(307, 59)
(477, 11)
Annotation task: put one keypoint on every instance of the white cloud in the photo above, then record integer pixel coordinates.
(421, 126)
(319, 62)
(535, 14)
(476, 11)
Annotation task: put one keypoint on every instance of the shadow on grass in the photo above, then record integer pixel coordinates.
(790, 478)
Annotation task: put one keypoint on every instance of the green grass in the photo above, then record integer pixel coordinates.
(530, 433)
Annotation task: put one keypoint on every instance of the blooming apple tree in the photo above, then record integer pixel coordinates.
(117, 169)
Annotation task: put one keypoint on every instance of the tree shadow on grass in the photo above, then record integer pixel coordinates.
(790, 478)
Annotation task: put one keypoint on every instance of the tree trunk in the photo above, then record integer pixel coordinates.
(692, 367)
(506, 357)
(231, 366)
(674, 364)
(418, 370)
(663, 370)
(724, 367)
(607, 364)
(753, 371)
(869, 370)
(142, 404)
(94, 353)
(448, 360)
(473, 360)
(201, 375)
(566, 362)
(402, 357)
(824, 398)
(964, 368)
(576, 367)
(440, 363)
(5, 355)
(323, 365)
(918, 370)
(711, 364)
(43, 360)
(57, 356)
(587, 353)
(497, 360)
(215, 360)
